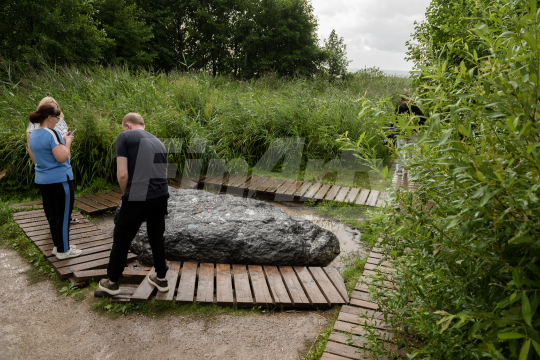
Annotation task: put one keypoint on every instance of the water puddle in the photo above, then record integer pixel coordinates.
(349, 238)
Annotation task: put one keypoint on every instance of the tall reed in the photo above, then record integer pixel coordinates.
(236, 119)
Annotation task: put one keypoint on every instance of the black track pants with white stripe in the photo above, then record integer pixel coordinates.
(58, 201)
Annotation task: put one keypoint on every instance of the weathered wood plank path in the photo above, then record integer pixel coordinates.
(243, 285)
(339, 346)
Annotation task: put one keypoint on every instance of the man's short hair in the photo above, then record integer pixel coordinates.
(133, 118)
(405, 97)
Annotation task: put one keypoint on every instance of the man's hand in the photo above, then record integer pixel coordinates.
(122, 172)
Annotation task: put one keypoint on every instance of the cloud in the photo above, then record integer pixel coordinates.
(375, 31)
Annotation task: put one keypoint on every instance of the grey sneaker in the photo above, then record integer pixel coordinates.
(111, 289)
(162, 285)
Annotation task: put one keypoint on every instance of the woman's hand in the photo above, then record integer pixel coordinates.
(68, 139)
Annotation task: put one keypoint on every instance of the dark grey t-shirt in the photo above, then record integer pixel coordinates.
(147, 172)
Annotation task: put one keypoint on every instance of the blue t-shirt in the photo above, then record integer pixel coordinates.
(48, 170)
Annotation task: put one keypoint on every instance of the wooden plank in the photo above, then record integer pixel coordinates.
(232, 178)
(87, 255)
(75, 234)
(364, 304)
(340, 197)
(332, 193)
(249, 182)
(88, 248)
(328, 356)
(114, 194)
(337, 281)
(310, 286)
(242, 289)
(68, 270)
(102, 201)
(257, 183)
(259, 286)
(87, 275)
(241, 180)
(118, 191)
(85, 208)
(172, 279)
(279, 291)
(372, 199)
(379, 268)
(265, 185)
(145, 289)
(125, 291)
(354, 310)
(28, 204)
(298, 296)
(355, 319)
(362, 197)
(303, 189)
(275, 186)
(352, 195)
(342, 350)
(211, 178)
(328, 289)
(311, 192)
(85, 200)
(357, 341)
(74, 239)
(28, 214)
(224, 291)
(73, 229)
(205, 286)
(292, 189)
(284, 187)
(322, 191)
(359, 330)
(186, 287)
(382, 197)
(375, 261)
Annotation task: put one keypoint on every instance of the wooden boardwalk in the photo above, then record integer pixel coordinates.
(349, 323)
(90, 204)
(243, 286)
(95, 243)
(223, 284)
(291, 190)
(242, 185)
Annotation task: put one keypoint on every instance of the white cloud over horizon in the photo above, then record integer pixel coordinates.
(375, 31)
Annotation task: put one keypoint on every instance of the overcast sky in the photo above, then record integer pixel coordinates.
(375, 31)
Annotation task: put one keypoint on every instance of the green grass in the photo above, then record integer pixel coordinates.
(236, 119)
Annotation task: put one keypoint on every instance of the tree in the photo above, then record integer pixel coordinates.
(335, 63)
(62, 31)
(121, 21)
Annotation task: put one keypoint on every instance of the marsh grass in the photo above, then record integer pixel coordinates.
(234, 118)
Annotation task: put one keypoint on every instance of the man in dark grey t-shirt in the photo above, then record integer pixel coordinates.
(141, 161)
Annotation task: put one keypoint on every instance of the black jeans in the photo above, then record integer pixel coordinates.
(127, 223)
(58, 201)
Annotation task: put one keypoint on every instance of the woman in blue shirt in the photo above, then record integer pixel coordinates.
(54, 176)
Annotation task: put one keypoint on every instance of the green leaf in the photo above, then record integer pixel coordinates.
(525, 350)
(448, 322)
(536, 347)
(385, 172)
(510, 335)
(526, 309)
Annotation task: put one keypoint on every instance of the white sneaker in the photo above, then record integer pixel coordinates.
(71, 253)
(55, 251)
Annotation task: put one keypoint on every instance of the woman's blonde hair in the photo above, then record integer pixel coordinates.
(50, 100)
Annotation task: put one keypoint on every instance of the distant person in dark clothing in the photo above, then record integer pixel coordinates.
(405, 108)
(410, 109)
(141, 171)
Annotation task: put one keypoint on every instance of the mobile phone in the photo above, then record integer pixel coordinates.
(71, 132)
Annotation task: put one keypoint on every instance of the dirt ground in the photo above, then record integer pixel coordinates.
(36, 323)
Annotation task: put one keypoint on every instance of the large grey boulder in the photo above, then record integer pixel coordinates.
(204, 227)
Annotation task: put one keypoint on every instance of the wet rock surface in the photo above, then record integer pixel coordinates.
(204, 227)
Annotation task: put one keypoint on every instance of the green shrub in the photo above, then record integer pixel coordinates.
(466, 244)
